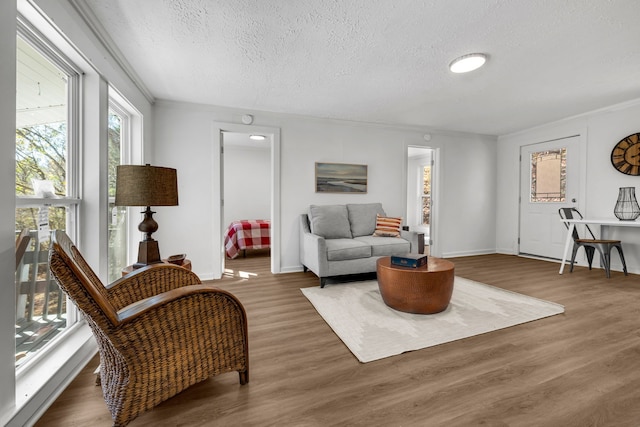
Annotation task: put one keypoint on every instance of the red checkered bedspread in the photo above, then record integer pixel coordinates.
(246, 234)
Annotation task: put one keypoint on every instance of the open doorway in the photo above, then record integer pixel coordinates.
(420, 192)
(246, 177)
(246, 211)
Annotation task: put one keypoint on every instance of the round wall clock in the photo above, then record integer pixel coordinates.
(625, 156)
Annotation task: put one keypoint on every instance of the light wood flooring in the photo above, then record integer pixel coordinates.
(581, 368)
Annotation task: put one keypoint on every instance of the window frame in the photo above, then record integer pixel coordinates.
(72, 201)
(116, 105)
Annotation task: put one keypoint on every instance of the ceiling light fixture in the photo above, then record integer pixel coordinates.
(257, 137)
(467, 63)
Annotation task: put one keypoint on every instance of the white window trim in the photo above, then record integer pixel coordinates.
(40, 43)
(41, 379)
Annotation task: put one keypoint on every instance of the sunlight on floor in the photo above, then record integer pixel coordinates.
(242, 274)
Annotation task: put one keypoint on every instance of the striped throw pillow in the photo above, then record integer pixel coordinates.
(387, 226)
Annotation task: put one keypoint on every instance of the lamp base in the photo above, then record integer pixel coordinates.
(148, 253)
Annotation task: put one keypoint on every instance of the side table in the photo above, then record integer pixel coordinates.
(185, 264)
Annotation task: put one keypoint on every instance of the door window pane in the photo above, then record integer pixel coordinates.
(548, 176)
(426, 195)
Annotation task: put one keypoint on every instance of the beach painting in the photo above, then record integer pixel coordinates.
(341, 178)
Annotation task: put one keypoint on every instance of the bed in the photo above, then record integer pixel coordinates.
(246, 234)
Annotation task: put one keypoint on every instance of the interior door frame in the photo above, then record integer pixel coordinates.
(273, 134)
(434, 247)
(581, 134)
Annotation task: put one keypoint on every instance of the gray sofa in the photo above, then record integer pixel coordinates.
(337, 240)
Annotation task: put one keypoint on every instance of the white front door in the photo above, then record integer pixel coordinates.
(549, 179)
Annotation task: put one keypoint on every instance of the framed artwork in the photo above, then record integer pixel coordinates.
(341, 178)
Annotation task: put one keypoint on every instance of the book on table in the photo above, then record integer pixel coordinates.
(409, 260)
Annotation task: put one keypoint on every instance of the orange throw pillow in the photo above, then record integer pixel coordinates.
(387, 226)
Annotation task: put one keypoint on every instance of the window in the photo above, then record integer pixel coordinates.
(119, 141)
(548, 176)
(46, 185)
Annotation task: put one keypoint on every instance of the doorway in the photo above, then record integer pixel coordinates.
(420, 217)
(246, 211)
(549, 179)
(246, 167)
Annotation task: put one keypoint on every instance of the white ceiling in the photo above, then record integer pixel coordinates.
(385, 61)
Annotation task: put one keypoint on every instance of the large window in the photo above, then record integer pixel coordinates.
(119, 144)
(46, 185)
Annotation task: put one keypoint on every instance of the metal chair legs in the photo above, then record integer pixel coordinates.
(604, 249)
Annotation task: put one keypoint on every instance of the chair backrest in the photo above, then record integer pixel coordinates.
(22, 242)
(568, 213)
(79, 282)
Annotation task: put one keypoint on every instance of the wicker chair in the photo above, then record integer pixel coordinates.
(159, 330)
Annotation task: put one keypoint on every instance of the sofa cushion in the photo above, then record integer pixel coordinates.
(385, 246)
(362, 217)
(387, 226)
(330, 221)
(343, 249)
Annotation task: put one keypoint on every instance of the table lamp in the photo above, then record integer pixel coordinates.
(148, 186)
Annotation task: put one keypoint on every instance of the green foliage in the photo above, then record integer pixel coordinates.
(41, 153)
(114, 129)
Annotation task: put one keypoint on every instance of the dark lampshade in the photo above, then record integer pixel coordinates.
(146, 186)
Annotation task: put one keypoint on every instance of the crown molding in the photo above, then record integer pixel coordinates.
(107, 42)
(568, 120)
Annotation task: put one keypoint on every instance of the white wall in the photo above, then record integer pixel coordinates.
(184, 135)
(600, 130)
(247, 174)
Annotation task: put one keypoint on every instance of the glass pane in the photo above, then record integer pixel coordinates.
(41, 310)
(117, 254)
(426, 195)
(548, 176)
(41, 158)
(426, 210)
(41, 122)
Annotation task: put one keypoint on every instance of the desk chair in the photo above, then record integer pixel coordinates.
(591, 245)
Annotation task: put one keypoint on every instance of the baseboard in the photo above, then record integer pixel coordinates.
(292, 269)
(207, 276)
(468, 253)
(582, 263)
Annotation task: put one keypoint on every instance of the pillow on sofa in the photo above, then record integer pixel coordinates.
(330, 221)
(362, 217)
(387, 226)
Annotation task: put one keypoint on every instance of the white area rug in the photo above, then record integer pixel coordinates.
(372, 330)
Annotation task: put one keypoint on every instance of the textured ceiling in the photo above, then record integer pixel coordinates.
(385, 61)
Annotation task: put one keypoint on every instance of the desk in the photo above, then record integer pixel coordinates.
(604, 224)
(185, 264)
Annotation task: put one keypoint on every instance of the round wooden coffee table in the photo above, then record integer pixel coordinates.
(422, 290)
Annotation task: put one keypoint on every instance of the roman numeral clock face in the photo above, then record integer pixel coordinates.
(625, 156)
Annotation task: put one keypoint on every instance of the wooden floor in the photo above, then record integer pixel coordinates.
(581, 368)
